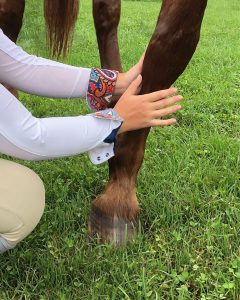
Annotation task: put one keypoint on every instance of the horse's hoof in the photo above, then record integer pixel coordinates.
(113, 229)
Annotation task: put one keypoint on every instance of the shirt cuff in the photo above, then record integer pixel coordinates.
(101, 86)
(106, 150)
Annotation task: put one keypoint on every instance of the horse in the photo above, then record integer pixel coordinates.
(114, 213)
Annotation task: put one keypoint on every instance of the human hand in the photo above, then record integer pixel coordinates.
(125, 79)
(141, 111)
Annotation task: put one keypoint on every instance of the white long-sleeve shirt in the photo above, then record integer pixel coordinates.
(26, 137)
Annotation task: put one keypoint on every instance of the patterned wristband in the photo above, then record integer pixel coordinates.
(100, 89)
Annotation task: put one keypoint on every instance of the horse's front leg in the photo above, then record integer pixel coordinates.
(106, 15)
(11, 16)
(118, 202)
(170, 50)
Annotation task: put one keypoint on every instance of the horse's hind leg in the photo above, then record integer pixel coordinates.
(11, 15)
(106, 15)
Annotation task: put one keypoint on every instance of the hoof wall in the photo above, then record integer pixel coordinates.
(113, 229)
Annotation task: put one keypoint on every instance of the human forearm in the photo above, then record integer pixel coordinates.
(39, 76)
(26, 137)
(43, 77)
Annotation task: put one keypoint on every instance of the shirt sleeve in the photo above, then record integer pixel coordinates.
(44, 77)
(26, 137)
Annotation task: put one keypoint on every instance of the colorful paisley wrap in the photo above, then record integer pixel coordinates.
(100, 89)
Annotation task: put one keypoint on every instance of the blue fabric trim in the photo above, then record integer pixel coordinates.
(112, 136)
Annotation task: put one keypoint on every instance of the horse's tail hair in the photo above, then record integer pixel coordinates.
(60, 16)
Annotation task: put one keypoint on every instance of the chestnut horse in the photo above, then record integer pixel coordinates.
(174, 41)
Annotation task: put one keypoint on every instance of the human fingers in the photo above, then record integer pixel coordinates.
(155, 96)
(167, 102)
(166, 111)
(157, 122)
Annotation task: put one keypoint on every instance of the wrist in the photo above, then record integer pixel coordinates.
(121, 84)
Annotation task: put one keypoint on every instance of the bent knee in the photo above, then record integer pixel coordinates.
(106, 15)
(22, 204)
(15, 227)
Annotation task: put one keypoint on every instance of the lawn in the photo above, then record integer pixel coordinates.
(188, 187)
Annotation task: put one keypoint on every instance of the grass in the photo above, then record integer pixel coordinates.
(188, 186)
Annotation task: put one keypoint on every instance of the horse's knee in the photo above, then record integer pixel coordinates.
(106, 15)
(11, 15)
(22, 201)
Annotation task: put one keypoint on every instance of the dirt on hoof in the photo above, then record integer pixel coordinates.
(111, 229)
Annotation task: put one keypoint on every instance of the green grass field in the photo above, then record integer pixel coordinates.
(188, 186)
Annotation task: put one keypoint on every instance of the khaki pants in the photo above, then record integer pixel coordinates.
(22, 199)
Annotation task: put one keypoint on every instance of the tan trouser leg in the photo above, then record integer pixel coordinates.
(22, 199)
